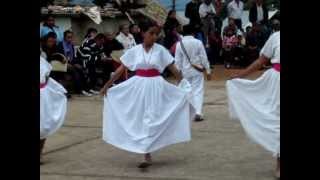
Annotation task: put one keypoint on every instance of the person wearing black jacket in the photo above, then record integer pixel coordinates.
(110, 44)
(258, 16)
(258, 13)
(192, 12)
(89, 53)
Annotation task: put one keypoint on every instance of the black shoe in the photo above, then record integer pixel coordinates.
(68, 96)
(144, 165)
(198, 118)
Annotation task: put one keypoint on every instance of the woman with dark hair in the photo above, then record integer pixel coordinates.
(50, 48)
(146, 113)
(49, 26)
(170, 29)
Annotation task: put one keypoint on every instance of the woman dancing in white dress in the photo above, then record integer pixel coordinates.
(146, 113)
(257, 103)
(53, 104)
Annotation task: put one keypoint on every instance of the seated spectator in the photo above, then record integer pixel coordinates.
(110, 44)
(125, 38)
(231, 26)
(275, 24)
(74, 68)
(49, 45)
(230, 39)
(215, 44)
(229, 43)
(91, 33)
(135, 31)
(89, 53)
(251, 51)
(50, 52)
(49, 26)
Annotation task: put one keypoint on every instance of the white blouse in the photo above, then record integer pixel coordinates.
(204, 9)
(158, 58)
(272, 48)
(127, 41)
(234, 10)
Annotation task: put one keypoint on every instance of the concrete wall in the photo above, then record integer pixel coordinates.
(81, 24)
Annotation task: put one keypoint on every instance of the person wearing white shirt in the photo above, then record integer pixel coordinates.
(235, 10)
(189, 54)
(125, 38)
(207, 13)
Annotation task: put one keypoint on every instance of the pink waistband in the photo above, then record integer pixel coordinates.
(276, 67)
(147, 72)
(42, 85)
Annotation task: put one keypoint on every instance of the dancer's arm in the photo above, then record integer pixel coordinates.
(173, 69)
(116, 76)
(262, 60)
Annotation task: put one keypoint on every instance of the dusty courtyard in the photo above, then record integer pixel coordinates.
(219, 149)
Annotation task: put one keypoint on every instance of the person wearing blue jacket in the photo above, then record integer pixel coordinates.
(49, 26)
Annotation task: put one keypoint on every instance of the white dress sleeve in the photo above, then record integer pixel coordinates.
(268, 48)
(128, 59)
(166, 58)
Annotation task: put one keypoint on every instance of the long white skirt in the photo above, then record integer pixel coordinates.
(197, 84)
(142, 115)
(53, 108)
(257, 105)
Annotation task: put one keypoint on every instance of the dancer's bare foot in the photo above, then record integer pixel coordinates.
(147, 161)
(277, 174)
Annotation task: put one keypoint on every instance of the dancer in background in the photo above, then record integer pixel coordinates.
(146, 113)
(190, 53)
(53, 104)
(257, 103)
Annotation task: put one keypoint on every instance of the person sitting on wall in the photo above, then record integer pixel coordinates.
(74, 68)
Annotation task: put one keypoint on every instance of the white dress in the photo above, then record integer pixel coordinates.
(257, 103)
(53, 102)
(144, 114)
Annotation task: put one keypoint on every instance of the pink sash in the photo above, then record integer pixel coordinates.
(42, 85)
(147, 72)
(276, 67)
